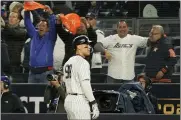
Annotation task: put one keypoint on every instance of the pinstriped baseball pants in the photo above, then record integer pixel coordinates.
(77, 107)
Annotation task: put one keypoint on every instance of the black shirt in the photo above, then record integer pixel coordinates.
(159, 57)
(10, 103)
(67, 38)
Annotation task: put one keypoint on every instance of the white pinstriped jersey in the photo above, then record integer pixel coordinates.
(123, 51)
(75, 70)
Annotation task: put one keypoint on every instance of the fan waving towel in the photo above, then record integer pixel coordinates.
(33, 5)
(71, 21)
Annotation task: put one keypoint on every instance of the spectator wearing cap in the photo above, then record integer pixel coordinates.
(14, 36)
(10, 102)
(41, 48)
(96, 57)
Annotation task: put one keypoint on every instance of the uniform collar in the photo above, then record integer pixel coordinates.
(79, 55)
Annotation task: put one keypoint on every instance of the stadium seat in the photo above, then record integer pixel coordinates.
(175, 78)
(140, 51)
(177, 68)
(145, 51)
(176, 42)
(118, 9)
(140, 59)
(20, 77)
(178, 59)
(106, 9)
(98, 78)
(104, 68)
(177, 50)
(139, 68)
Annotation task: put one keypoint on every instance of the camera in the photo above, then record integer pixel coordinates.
(107, 100)
(52, 77)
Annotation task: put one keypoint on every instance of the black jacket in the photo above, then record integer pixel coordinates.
(10, 103)
(154, 102)
(15, 38)
(5, 61)
(159, 57)
(67, 38)
(26, 58)
(55, 98)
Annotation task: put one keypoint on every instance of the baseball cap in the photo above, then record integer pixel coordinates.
(91, 15)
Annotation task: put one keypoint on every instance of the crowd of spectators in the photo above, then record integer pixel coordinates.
(16, 38)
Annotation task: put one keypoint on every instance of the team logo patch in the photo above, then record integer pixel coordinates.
(118, 45)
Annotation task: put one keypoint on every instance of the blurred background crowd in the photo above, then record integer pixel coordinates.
(15, 37)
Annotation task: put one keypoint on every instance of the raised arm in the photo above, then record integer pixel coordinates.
(52, 27)
(29, 25)
(63, 34)
(52, 19)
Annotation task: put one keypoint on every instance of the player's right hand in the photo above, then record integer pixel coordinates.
(95, 111)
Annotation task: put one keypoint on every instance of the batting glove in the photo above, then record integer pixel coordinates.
(95, 111)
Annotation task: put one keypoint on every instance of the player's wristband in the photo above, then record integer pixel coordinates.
(93, 102)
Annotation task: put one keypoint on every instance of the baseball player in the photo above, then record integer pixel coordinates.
(77, 81)
(120, 50)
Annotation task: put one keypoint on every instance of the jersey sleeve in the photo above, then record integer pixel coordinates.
(100, 35)
(140, 41)
(85, 83)
(106, 41)
(84, 71)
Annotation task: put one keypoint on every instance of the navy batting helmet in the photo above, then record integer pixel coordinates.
(81, 39)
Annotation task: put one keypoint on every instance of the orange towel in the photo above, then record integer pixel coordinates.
(71, 21)
(32, 6)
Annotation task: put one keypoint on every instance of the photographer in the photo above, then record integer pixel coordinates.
(55, 93)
